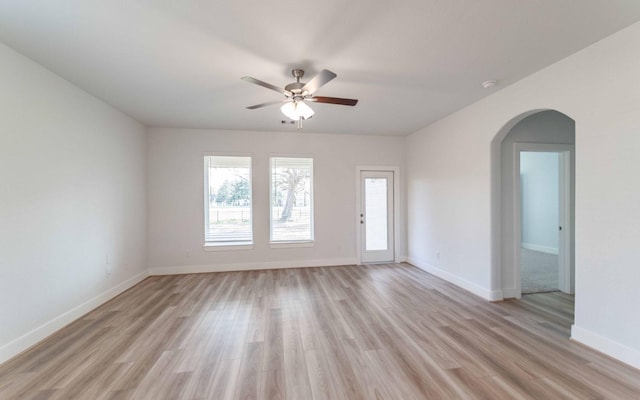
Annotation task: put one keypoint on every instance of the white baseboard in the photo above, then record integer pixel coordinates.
(496, 295)
(196, 269)
(607, 346)
(29, 339)
(456, 280)
(543, 249)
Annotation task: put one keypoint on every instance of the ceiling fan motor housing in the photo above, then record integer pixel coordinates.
(295, 88)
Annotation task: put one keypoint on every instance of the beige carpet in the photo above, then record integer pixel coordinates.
(539, 271)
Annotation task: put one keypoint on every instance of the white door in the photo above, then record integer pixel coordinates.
(376, 216)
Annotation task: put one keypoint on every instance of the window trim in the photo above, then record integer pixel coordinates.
(291, 244)
(227, 246)
(274, 244)
(224, 245)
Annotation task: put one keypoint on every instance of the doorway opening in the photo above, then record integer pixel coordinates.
(535, 130)
(543, 217)
(535, 127)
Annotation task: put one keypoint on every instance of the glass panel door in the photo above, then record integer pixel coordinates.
(376, 216)
(376, 190)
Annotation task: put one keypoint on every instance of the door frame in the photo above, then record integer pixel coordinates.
(566, 153)
(396, 209)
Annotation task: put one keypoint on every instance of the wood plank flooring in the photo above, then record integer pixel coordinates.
(375, 332)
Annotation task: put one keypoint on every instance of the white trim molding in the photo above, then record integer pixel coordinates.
(510, 293)
(291, 245)
(605, 345)
(478, 290)
(227, 247)
(31, 338)
(198, 269)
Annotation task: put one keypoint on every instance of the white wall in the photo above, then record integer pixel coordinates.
(175, 193)
(539, 180)
(72, 190)
(450, 175)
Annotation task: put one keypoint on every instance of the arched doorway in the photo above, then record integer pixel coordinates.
(537, 130)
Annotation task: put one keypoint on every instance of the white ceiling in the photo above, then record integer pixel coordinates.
(176, 63)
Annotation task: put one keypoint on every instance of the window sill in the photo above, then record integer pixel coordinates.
(286, 245)
(228, 246)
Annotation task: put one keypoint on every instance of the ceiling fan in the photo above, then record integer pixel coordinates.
(296, 95)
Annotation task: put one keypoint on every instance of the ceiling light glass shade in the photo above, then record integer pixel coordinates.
(304, 110)
(289, 109)
(296, 109)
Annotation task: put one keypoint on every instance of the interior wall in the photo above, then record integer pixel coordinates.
(72, 192)
(542, 127)
(175, 192)
(450, 174)
(540, 183)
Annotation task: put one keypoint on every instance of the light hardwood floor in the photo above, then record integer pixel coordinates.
(374, 332)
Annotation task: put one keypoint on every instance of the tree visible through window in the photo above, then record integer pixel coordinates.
(291, 199)
(228, 200)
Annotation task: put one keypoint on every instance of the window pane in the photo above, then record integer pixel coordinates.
(376, 213)
(228, 199)
(291, 199)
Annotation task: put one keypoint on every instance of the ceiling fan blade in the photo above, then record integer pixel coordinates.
(318, 81)
(267, 85)
(334, 100)
(268, 103)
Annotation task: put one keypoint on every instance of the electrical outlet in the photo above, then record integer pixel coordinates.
(107, 266)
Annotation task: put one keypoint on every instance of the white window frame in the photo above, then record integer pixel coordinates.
(279, 244)
(227, 245)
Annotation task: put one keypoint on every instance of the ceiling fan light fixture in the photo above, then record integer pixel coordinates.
(289, 109)
(304, 110)
(297, 93)
(295, 110)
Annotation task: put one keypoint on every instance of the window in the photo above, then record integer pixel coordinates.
(227, 202)
(291, 199)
